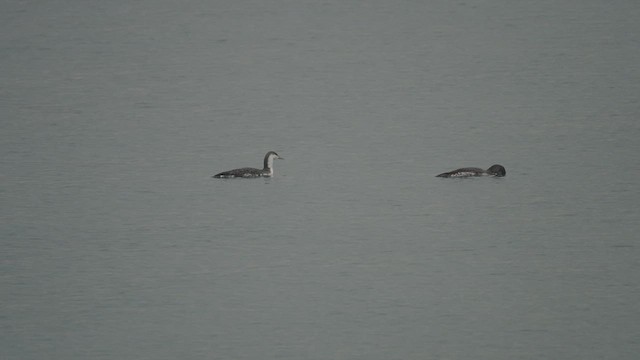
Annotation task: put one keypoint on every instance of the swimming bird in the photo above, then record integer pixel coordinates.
(248, 172)
(495, 170)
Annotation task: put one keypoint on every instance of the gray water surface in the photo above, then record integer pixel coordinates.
(117, 243)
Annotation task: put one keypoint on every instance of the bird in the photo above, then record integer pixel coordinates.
(248, 172)
(494, 170)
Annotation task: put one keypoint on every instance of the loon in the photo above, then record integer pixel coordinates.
(495, 170)
(248, 172)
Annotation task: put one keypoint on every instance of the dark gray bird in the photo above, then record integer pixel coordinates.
(248, 172)
(495, 170)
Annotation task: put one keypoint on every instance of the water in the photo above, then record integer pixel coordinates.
(117, 244)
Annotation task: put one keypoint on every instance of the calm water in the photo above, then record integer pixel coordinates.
(117, 244)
